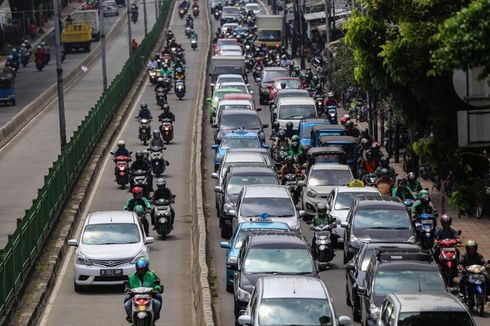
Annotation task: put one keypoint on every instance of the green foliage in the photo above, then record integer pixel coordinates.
(341, 69)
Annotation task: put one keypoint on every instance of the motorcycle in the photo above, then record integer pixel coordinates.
(249, 64)
(182, 13)
(194, 43)
(158, 164)
(279, 157)
(291, 181)
(40, 64)
(24, 58)
(217, 14)
(189, 24)
(188, 31)
(121, 170)
(144, 130)
(476, 288)
(140, 179)
(163, 216)
(153, 75)
(369, 179)
(134, 16)
(195, 11)
(323, 248)
(161, 95)
(319, 105)
(142, 307)
(425, 230)
(448, 259)
(167, 130)
(332, 114)
(180, 89)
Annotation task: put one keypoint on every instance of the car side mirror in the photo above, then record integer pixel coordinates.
(225, 245)
(251, 92)
(214, 146)
(212, 85)
(218, 189)
(257, 80)
(344, 321)
(73, 242)
(350, 266)
(301, 183)
(231, 213)
(208, 100)
(344, 225)
(301, 213)
(454, 290)
(245, 320)
(362, 291)
(149, 240)
(266, 146)
(232, 266)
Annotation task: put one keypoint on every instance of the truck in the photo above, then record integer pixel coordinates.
(76, 36)
(270, 29)
(88, 16)
(228, 65)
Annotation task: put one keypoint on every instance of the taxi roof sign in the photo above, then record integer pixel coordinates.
(356, 183)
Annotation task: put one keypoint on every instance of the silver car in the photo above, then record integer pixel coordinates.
(109, 8)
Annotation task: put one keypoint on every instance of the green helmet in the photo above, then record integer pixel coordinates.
(138, 209)
(295, 138)
(424, 196)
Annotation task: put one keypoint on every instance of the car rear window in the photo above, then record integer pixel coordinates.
(446, 318)
(407, 281)
(113, 233)
(370, 218)
(276, 207)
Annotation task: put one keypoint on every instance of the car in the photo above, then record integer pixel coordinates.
(355, 270)
(320, 180)
(269, 74)
(375, 218)
(243, 230)
(236, 139)
(273, 200)
(238, 119)
(231, 26)
(253, 7)
(395, 270)
(218, 95)
(222, 42)
(341, 199)
(227, 78)
(265, 254)
(232, 105)
(109, 245)
(242, 156)
(305, 127)
(234, 180)
(236, 85)
(294, 110)
(404, 309)
(110, 8)
(230, 14)
(290, 82)
(291, 300)
(284, 93)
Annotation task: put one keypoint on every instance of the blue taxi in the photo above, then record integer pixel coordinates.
(242, 231)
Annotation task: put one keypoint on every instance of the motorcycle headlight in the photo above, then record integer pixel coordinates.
(242, 295)
(374, 312)
(82, 260)
(311, 193)
(232, 260)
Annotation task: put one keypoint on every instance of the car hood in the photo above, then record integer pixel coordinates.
(116, 251)
(385, 235)
(322, 190)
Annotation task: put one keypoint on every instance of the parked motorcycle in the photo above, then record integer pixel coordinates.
(122, 170)
(180, 89)
(163, 216)
(167, 130)
(144, 131)
(425, 229)
(158, 164)
(141, 179)
(476, 288)
(322, 247)
(448, 259)
(142, 307)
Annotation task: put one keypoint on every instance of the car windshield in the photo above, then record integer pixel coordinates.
(269, 35)
(275, 207)
(113, 233)
(223, 80)
(295, 311)
(404, 281)
(269, 76)
(243, 88)
(446, 318)
(297, 112)
(231, 11)
(237, 121)
(252, 7)
(235, 107)
(290, 83)
(220, 94)
(278, 260)
(245, 142)
(381, 219)
(237, 182)
(344, 199)
(320, 177)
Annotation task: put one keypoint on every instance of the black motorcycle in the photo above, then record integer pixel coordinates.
(158, 163)
(180, 89)
(144, 130)
(140, 178)
(322, 244)
(161, 95)
(163, 216)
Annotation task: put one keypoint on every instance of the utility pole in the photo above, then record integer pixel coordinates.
(130, 37)
(327, 29)
(145, 18)
(59, 73)
(156, 10)
(102, 44)
(302, 31)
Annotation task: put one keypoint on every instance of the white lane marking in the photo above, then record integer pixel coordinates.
(68, 258)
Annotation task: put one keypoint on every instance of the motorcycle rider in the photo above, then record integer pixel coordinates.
(295, 147)
(423, 205)
(284, 61)
(274, 130)
(308, 77)
(446, 231)
(352, 130)
(413, 184)
(162, 192)
(157, 140)
(297, 73)
(144, 112)
(385, 164)
(39, 54)
(384, 182)
(121, 149)
(402, 191)
(143, 277)
(152, 64)
(165, 71)
(179, 74)
(330, 100)
(471, 257)
(166, 113)
(288, 168)
(141, 164)
(282, 142)
(315, 86)
(11, 63)
(47, 51)
(323, 218)
(139, 200)
(289, 130)
(368, 163)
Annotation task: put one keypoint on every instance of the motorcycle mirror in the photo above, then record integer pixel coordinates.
(112, 153)
(265, 125)
(460, 232)
(258, 109)
(73, 242)
(149, 240)
(301, 213)
(251, 92)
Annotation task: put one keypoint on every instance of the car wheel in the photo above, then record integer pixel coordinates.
(225, 231)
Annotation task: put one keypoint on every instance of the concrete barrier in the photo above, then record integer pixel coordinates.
(31, 110)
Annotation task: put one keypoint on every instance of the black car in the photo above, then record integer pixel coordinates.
(396, 270)
(269, 254)
(268, 76)
(235, 178)
(356, 270)
(373, 219)
(239, 119)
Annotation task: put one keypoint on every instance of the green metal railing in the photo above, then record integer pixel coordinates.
(32, 230)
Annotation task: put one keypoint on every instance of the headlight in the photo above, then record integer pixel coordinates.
(374, 312)
(311, 193)
(242, 295)
(295, 227)
(411, 239)
(355, 242)
(232, 260)
(141, 254)
(82, 260)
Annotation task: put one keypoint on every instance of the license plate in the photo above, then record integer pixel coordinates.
(111, 272)
(426, 221)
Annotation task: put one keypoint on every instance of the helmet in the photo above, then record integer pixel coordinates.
(138, 209)
(315, 77)
(365, 132)
(295, 138)
(369, 155)
(385, 172)
(121, 144)
(471, 244)
(289, 125)
(283, 85)
(375, 147)
(14, 50)
(321, 208)
(411, 176)
(26, 41)
(402, 182)
(143, 106)
(137, 190)
(284, 56)
(179, 69)
(446, 220)
(139, 155)
(39, 47)
(424, 196)
(296, 68)
(281, 134)
(161, 183)
(43, 43)
(343, 121)
(10, 57)
(364, 142)
(384, 161)
(349, 124)
(276, 125)
(330, 94)
(156, 133)
(142, 265)
(166, 107)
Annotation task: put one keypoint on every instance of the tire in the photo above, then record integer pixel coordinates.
(229, 288)
(480, 304)
(13, 104)
(78, 288)
(225, 231)
(356, 312)
(163, 230)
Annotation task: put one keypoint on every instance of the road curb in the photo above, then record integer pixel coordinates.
(202, 297)
(41, 287)
(31, 110)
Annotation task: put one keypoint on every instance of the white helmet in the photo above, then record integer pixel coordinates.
(121, 143)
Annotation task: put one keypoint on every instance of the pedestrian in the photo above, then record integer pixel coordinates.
(32, 30)
(134, 44)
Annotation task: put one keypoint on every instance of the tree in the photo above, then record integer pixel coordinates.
(341, 69)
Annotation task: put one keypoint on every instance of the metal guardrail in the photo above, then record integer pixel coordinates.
(24, 245)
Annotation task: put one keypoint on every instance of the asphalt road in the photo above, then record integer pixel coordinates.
(26, 159)
(170, 259)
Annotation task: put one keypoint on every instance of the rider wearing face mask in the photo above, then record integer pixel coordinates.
(166, 113)
(141, 164)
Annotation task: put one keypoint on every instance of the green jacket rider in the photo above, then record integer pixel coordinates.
(402, 191)
(413, 184)
(295, 147)
(423, 205)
